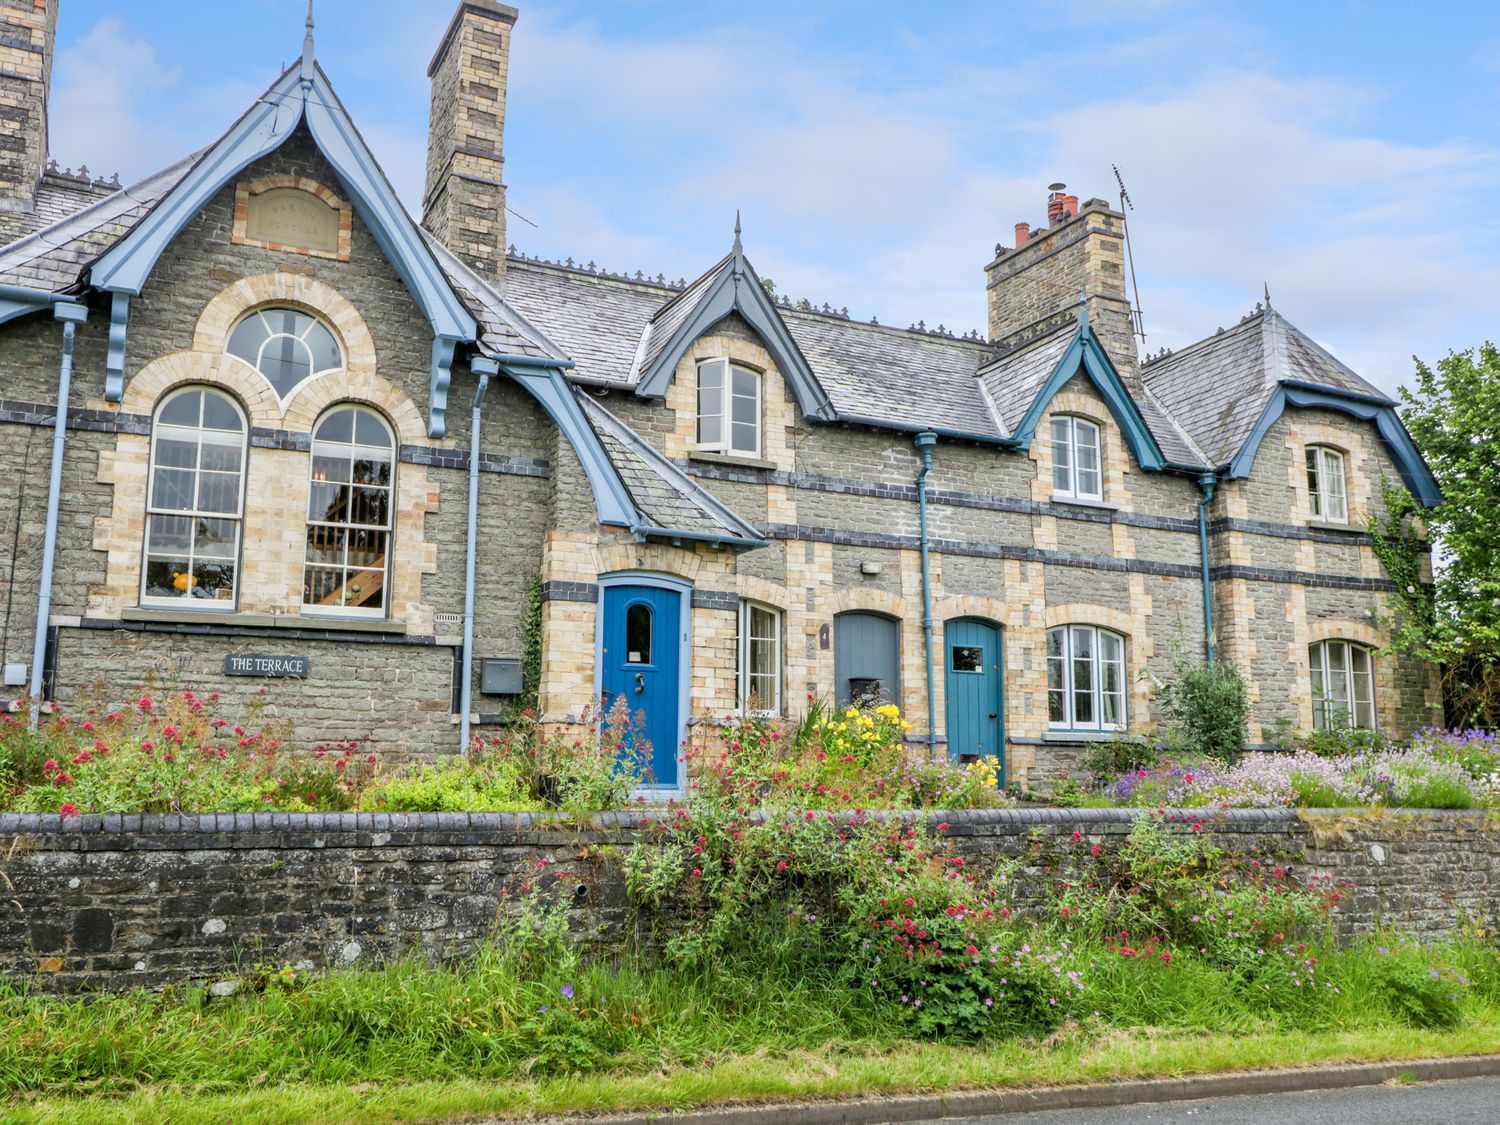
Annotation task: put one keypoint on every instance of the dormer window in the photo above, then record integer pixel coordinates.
(728, 409)
(1326, 495)
(1075, 459)
(287, 346)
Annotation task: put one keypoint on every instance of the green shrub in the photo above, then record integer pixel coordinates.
(1207, 706)
(1105, 761)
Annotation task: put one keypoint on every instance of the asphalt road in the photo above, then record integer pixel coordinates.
(1469, 1101)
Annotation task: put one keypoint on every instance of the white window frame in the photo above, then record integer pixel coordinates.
(260, 352)
(724, 415)
(185, 600)
(313, 609)
(1063, 433)
(1355, 679)
(746, 638)
(1097, 638)
(1327, 484)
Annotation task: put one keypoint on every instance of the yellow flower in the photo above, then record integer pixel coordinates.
(888, 710)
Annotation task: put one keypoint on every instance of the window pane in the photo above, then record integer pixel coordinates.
(1062, 455)
(215, 539)
(746, 383)
(746, 409)
(710, 430)
(638, 634)
(220, 414)
(213, 579)
(169, 535)
(1316, 656)
(328, 465)
(1336, 507)
(368, 431)
(337, 427)
(366, 548)
(1314, 491)
(322, 586)
(745, 438)
(247, 337)
(1083, 676)
(1057, 710)
(219, 492)
(175, 453)
(167, 577)
(365, 589)
(325, 545)
(285, 361)
(173, 489)
(183, 410)
(323, 347)
(968, 658)
(219, 454)
(328, 502)
(370, 506)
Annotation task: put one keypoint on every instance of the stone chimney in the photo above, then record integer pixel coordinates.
(28, 38)
(464, 201)
(1081, 252)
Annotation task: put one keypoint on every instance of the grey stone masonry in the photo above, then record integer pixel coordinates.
(122, 901)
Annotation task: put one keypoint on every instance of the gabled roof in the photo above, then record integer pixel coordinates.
(670, 505)
(301, 94)
(731, 286)
(1218, 387)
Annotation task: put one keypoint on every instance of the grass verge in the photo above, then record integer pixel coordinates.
(1074, 1055)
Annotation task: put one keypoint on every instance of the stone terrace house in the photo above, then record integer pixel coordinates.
(321, 454)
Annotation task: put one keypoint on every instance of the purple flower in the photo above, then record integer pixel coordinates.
(567, 991)
(544, 1007)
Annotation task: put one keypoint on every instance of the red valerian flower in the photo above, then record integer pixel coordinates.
(69, 809)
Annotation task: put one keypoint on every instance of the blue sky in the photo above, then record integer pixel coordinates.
(1345, 153)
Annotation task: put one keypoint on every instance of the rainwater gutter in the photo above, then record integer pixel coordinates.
(1206, 482)
(484, 368)
(72, 315)
(924, 442)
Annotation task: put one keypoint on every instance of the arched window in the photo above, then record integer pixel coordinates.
(638, 634)
(1085, 678)
(1327, 497)
(1343, 685)
(195, 500)
(1075, 459)
(349, 514)
(286, 346)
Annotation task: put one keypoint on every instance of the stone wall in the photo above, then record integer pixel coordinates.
(117, 902)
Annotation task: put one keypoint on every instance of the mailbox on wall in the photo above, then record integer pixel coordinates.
(500, 675)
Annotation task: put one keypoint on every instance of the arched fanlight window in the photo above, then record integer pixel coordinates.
(195, 500)
(349, 510)
(286, 346)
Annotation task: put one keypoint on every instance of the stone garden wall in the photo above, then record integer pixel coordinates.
(113, 902)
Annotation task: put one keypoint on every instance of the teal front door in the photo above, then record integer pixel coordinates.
(976, 723)
(641, 662)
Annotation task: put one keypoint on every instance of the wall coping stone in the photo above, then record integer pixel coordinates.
(214, 831)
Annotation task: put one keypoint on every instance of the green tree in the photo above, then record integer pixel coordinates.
(1454, 622)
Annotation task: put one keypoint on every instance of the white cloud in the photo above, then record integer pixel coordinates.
(98, 86)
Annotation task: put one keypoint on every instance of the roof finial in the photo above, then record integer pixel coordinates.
(737, 229)
(1083, 307)
(1267, 284)
(307, 43)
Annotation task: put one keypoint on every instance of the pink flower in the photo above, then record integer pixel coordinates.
(50, 764)
(371, 759)
(148, 745)
(88, 725)
(169, 731)
(69, 809)
(145, 703)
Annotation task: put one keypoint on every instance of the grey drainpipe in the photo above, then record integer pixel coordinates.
(1206, 482)
(71, 315)
(484, 368)
(924, 442)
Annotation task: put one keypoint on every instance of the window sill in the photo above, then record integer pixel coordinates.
(1075, 502)
(263, 620)
(1350, 528)
(730, 459)
(1079, 737)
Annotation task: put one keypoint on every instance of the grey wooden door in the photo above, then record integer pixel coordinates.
(866, 664)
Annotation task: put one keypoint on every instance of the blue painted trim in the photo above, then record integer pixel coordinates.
(611, 497)
(114, 364)
(684, 590)
(1415, 474)
(263, 128)
(10, 308)
(738, 290)
(1087, 354)
(439, 380)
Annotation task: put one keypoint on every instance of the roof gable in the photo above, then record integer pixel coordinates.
(731, 286)
(301, 94)
(1085, 354)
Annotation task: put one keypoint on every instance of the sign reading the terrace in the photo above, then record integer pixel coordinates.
(245, 664)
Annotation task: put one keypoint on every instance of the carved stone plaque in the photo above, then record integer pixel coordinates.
(292, 217)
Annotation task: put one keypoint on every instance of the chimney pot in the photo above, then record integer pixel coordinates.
(1023, 232)
(1057, 202)
(1072, 205)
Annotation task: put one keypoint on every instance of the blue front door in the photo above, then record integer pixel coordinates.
(640, 662)
(973, 684)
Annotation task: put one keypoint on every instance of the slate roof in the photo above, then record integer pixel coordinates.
(54, 257)
(665, 495)
(1218, 387)
(612, 327)
(502, 330)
